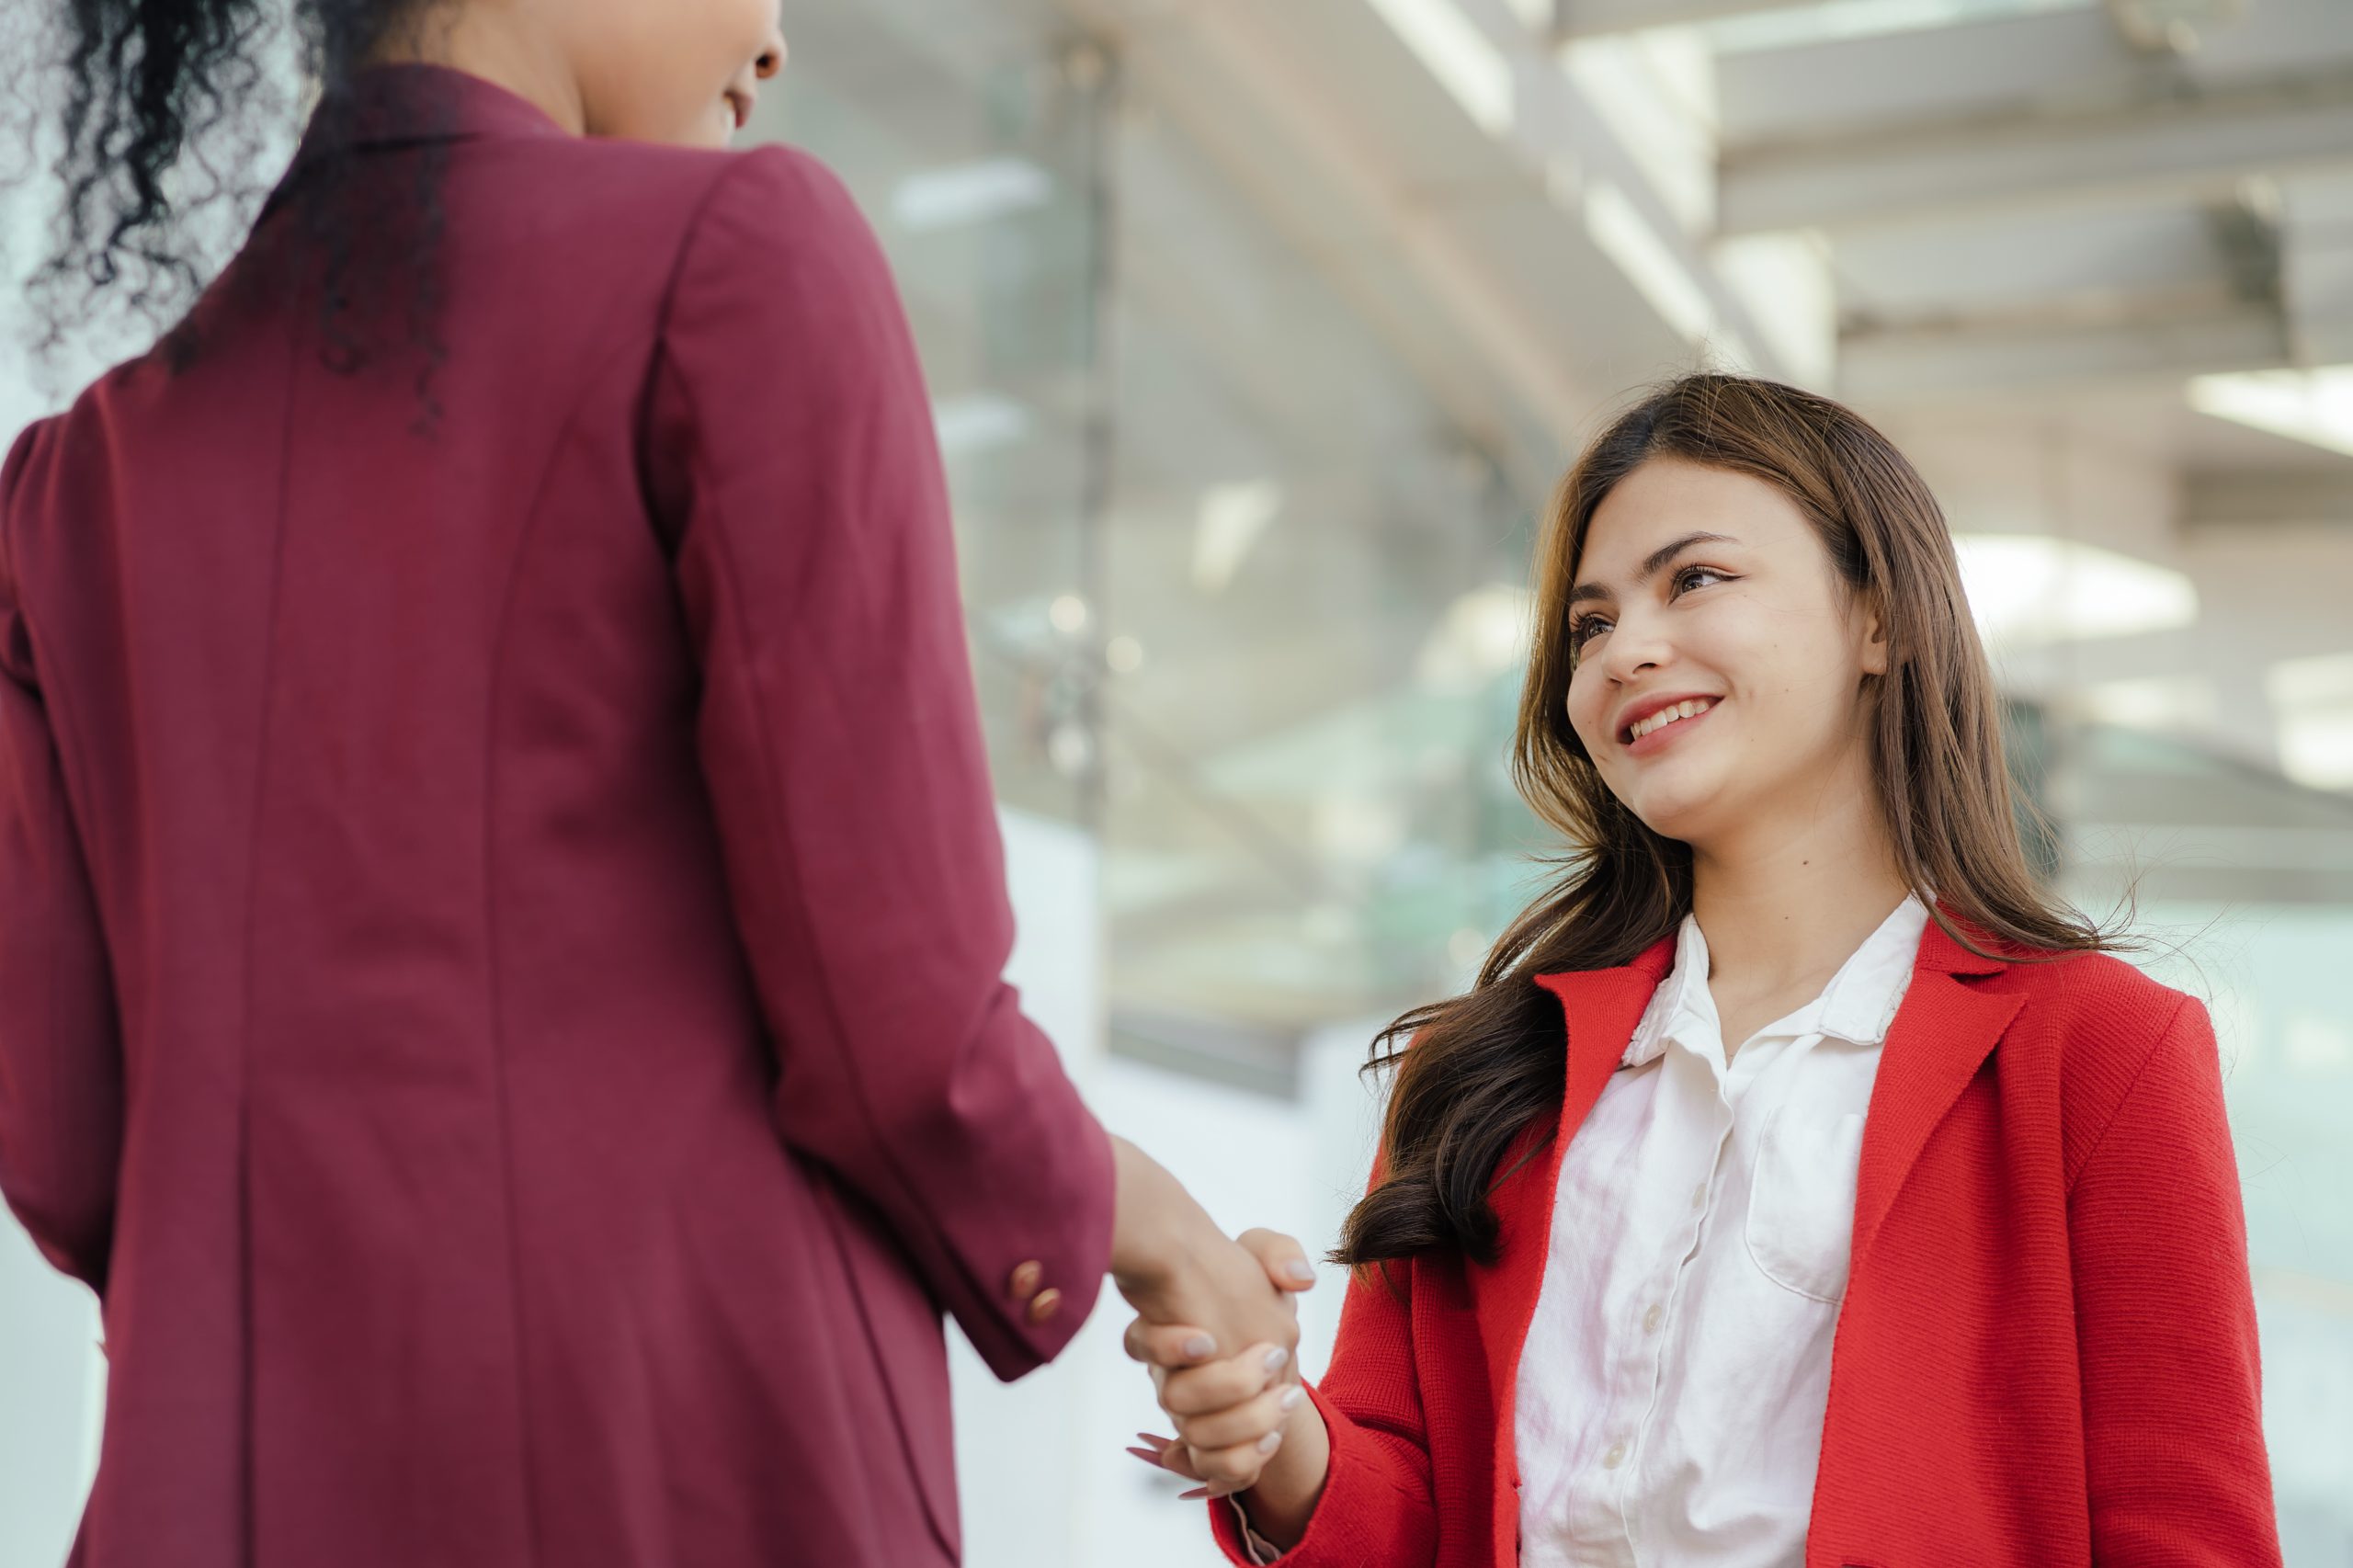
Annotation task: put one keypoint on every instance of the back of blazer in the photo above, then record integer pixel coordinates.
(501, 912)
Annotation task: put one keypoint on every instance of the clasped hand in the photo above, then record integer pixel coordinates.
(1229, 1405)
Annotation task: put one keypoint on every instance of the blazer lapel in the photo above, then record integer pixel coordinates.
(1941, 1035)
(1600, 1008)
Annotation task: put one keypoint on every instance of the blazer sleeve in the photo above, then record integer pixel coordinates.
(791, 463)
(2164, 1310)
(1378, 1509)
(61, 1054)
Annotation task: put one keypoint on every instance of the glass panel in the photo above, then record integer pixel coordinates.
(1314, 594)
(2245, 883)
(970, 139)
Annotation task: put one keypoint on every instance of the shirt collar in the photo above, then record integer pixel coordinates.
(1858, 1005)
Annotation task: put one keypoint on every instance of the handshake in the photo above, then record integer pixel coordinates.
(1217, 1328)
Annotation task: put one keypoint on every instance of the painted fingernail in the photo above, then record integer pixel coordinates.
(1195, 1494)
(1153, 1441)
(1148, 1456)
(1298, 1269)
(1200, 1346)
(1270, 1442)
(1292, 1396)
(1276, 1358)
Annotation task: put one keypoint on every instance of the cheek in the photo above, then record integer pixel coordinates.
(1584, 704)
(662, 77)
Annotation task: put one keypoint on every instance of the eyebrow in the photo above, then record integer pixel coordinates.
(1651, 565)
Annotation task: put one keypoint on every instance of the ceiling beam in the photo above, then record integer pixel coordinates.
(2199, 147)
(2269, 496)
(1592, 18)
(1917, 363)
(2316, 274)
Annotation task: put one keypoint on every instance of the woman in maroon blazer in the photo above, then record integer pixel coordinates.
(1800, 1185)
(501, 912)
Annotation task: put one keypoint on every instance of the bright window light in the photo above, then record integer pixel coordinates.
(2305, 405)
(969, 193)
(2317, 749)
(1464, 60)
(980, 422)
(1796, 26)
(2031, 588)
(2313, 699)
(1483, 634)
(1656, 94)
(1623, 235)
(1232, 518)
(2153, 703)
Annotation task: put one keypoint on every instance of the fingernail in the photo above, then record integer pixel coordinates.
(1292, 1396)
(1152, 1441)
(1276, 1358)
(1200, 1346)
(1195, 1494)
(1299, 1269)
(1270, 1442)
(1148, 1457)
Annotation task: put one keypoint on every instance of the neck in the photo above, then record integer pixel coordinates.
(493, 43)
(1793, 896)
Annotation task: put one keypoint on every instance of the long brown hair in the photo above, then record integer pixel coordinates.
(1485, 1066)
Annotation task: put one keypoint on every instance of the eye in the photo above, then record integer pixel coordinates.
(1690, 578)
(1585, 627)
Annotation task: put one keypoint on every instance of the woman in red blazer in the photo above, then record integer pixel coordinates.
(501, 914)
(2003, 1319)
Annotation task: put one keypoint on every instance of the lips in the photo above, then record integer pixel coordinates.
(1650, 717)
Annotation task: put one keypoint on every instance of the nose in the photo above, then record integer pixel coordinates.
(1633, 647)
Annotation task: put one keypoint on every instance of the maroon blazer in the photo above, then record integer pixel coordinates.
(501, 929)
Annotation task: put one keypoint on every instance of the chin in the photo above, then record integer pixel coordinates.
(1684, 809)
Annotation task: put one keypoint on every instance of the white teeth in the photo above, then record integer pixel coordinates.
(1688, 709)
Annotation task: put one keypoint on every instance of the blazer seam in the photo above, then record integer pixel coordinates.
(535, 517)
(249, 988)
(649, 391)
(2099, 1140)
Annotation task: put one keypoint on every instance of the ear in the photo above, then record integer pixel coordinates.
(1874, 629)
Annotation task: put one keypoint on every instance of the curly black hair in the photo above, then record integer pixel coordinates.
(177, 115)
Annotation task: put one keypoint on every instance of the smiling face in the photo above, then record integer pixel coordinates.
(684, 72)
(1719, 664)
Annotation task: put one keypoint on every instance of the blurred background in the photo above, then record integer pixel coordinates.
(1257, 330)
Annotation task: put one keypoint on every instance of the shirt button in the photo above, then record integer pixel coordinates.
(1615, 1457)
(1045, 1304)
(1025, 1281)
(1651, 1318)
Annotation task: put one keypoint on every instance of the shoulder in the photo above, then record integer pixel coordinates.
(18, 482)
(778, 256)
(783, 209)
(2096, 991)
(2089, 1025)
(619, 198)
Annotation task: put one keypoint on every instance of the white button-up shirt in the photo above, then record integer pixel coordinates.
(1672, 1390)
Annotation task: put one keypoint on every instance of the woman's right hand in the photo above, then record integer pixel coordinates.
(1243, 1423)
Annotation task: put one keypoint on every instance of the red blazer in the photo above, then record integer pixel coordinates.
(2046, 1358)
(500, 930)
